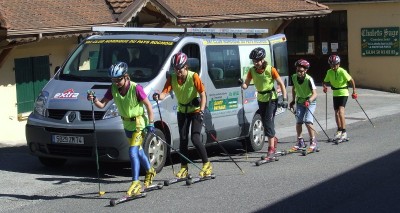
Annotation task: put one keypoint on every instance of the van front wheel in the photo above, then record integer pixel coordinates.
(256, 139)
(155, 149)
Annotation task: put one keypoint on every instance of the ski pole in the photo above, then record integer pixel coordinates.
(101, 193)
(158, 137)
(318, 124)
(244, 123)
(326, 111)
(163, 130)
(223, 149)
(365, 113)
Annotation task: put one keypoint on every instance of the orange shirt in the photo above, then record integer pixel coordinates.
(197, 84)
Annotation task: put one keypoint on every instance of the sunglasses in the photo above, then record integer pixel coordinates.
(116, 80)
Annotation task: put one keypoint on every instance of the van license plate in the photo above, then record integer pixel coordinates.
(68, 139)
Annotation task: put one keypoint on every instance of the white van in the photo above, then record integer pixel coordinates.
(61, 125)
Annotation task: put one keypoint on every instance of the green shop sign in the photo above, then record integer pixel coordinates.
(381, 41)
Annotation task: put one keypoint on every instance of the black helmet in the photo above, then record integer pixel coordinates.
(257, 54)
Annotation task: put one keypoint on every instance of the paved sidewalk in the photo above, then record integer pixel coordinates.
(375, 103)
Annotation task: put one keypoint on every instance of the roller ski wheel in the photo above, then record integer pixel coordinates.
(341, 141)
(116, 201)
(176, 180)
(153, 187)
(194, 180)
(266, 160)
(309, 151)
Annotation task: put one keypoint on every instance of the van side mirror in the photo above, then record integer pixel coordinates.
(56, 69)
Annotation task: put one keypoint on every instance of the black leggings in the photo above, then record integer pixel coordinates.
(267, 112)
(184, 121)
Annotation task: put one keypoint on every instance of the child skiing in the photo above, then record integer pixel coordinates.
(187, 87)
(130, 98)
(263, 76)
(338, 78)
(304, 94)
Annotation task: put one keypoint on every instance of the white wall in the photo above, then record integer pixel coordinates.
(57, 50)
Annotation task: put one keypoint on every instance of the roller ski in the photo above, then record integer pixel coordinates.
(313, 148)
(194, 180)
(298, 148)
(135, 192)
(270, 157)
(181, 176)
(176, 180)
(205, 174)
(126, 198)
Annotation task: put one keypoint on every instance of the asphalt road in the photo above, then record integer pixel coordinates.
(359, 176)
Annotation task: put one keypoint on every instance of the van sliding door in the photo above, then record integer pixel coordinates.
(223, 92)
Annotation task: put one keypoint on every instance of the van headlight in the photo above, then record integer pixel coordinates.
(112, 112)
(40, 104)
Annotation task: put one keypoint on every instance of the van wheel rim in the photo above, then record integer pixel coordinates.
(258, 132)
(156, 152)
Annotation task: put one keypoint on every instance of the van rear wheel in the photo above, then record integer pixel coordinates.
(256, 139)
(155, 149)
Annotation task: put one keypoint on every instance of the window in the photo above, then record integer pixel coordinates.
(223, 65)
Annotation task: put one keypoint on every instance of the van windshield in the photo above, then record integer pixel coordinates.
(93, 58)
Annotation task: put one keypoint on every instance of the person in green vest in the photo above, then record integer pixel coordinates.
(339, 78)
(304, 94)
(191, 95)
(264, 76)
(131, 100)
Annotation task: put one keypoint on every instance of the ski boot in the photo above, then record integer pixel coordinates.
(183, 173)
(148, 178)
(300, 144)
(134, 189)
(313, 145)
(206, 170)
(271, 154)
(337, 135)
(343, 138)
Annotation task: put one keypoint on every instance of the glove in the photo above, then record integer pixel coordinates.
(201, 116)
(156, 96)
(307, 103)
(291, 104)
(150, 128)
(91, 95)
(284, 103)
(325, 89)
(354, 95)
(240, 82)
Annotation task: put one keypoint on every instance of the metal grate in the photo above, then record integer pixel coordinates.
(85, 115)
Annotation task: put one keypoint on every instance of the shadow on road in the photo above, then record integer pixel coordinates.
(372, 187)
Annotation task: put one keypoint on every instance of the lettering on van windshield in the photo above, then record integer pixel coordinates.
(232, 41)
(67, 94)
(223, 101)
(129, 41)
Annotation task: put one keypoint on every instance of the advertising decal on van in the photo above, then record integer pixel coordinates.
(67, 94)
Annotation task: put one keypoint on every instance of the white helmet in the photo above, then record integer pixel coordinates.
(117, 70)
